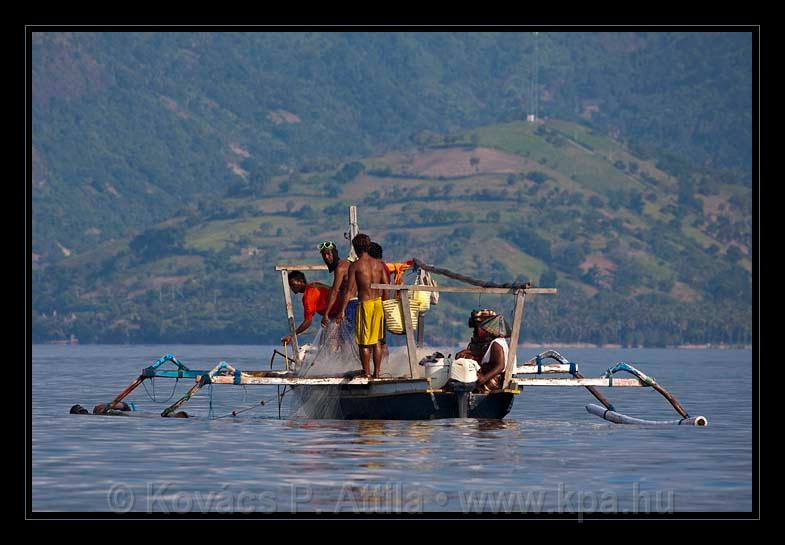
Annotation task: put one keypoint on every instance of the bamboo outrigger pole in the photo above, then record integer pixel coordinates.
(287, 296)
(618, 418)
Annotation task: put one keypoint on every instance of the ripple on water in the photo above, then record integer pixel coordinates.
(547, 444)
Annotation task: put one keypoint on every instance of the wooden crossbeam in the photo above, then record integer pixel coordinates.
(546, 368)
(615, 383)
(458, 289)
(321, 267)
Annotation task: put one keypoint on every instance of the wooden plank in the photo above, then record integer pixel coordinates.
(420, 331)
(321, 267)
(520, 296)
(272, 381)
(287, 296)
(458, 289)
(546, 368)
(617, 382)
(408, 328)
(271, 373)
(384, 384)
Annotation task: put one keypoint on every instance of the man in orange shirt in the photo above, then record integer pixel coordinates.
(315, 297)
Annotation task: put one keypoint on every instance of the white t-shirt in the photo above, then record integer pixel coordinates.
(503, 343)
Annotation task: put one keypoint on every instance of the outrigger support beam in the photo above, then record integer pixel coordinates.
(151, 372)
(648, 381)
(202, 380)
(573, 370)
(131, 387)
(536, 366)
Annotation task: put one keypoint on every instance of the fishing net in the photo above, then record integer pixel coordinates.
(332, 352)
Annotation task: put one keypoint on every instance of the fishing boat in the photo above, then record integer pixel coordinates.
(415, 394)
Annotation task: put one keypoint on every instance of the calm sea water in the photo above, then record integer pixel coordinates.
(547, 455)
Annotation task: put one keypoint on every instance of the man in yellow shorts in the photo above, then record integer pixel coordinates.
(369, 321)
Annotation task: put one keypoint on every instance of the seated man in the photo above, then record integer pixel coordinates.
(315, 297)
(489, 348)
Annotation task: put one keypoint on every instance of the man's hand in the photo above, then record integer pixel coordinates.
(287, 339)
(338, 319)
(325, 321)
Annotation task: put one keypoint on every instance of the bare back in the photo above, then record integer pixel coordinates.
(366, 271)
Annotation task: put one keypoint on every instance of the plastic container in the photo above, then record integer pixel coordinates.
(438, 371)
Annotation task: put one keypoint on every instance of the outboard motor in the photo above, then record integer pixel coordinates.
(463, 380)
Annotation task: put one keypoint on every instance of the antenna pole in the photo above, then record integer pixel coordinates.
(353, 230)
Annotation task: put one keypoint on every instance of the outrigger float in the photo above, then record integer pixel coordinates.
(414, 396)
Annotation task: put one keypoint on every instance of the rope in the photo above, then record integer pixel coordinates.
(152, 398)
(468, 279)
(235, 412)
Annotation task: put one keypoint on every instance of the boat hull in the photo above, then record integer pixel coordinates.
(347, 403)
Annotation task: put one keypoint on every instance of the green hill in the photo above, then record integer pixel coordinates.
(127, 128)
(643, 251)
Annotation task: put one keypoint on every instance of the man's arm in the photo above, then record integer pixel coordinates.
(350, 288)
(339, 276)
(498, 360)
(303, 327)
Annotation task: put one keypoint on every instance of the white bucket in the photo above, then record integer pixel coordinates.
(438, 371)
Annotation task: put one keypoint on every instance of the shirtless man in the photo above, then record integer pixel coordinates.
(369, 323)
(340, 269)
(376, 252)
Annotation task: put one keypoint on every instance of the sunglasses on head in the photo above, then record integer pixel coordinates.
(326, 245)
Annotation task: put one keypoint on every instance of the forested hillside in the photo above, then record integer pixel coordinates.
(643, 251)
(130, 127)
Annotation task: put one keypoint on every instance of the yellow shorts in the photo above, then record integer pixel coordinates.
(369, 322)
